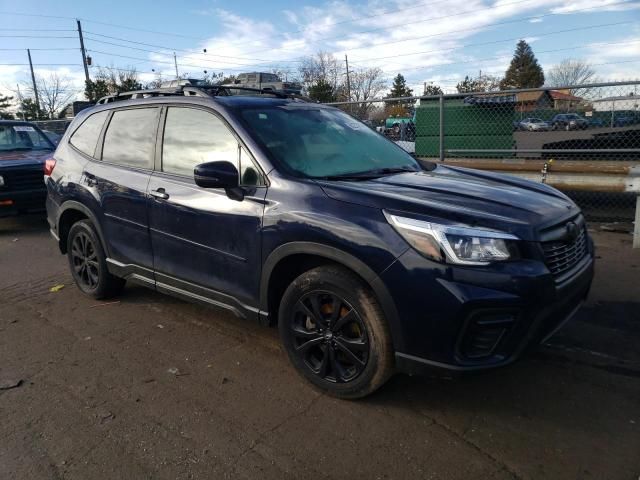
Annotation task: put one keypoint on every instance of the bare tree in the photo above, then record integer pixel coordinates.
(366, 84)
(572, 72)
(55, 92)
(323, 68)
(286, 74)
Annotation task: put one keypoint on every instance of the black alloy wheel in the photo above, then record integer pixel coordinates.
(88, 262)
(330, 337)
(85, 261)
(335, 332)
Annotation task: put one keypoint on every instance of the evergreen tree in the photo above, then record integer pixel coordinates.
(31, 111)
(321, 91)
(5, 102)
(432, 89)
(484, 83)
(399, 88)
(524, 70)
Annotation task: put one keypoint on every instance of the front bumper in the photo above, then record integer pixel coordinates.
(465, 319)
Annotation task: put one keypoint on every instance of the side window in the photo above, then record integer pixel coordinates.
(86, 135)
(130, 137)
(193, 136)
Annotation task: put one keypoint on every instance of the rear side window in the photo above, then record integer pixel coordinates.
(85, 138)
(130, 137)
(193, 136)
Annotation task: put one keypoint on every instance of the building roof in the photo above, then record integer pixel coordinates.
(560, 95)
(622, 97)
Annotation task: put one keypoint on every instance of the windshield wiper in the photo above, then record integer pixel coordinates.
(369, 174)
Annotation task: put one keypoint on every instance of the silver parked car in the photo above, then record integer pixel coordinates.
(534, 125)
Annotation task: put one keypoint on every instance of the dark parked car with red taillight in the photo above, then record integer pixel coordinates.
(24, 149)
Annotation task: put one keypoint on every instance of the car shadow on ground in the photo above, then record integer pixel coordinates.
(23, 224)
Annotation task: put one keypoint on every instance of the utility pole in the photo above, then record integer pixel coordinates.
(20, 100)
(84, 53)
(35, 88)
(175, 62)
(346, 61)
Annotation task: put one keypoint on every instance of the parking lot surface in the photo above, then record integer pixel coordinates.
(147, 386)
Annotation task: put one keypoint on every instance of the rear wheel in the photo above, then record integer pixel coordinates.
(335, 334)
(88, 264)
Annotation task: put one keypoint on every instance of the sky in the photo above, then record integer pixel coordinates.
(434, 41)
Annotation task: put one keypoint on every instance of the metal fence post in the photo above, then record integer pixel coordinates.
(441, 127)
(636, 225)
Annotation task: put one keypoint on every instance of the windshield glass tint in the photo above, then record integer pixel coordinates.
(317, 142)
(23, 137)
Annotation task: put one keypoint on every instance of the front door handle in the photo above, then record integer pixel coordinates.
(159, 193)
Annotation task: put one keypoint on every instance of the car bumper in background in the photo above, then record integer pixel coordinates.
(23, 201)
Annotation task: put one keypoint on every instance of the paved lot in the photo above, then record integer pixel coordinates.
(152, 387)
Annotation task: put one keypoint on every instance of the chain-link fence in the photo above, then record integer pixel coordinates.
(578, 123)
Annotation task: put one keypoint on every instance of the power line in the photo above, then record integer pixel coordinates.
(36, 30)
(166, 48)
(296, 59)
(167, 52)
(35, 15)
(54, 49)
(357, 19)
(34, 36)
(496, 41)
(576, 47)
(404, 24)
(203, 67)
(465, 30)
(39, 64)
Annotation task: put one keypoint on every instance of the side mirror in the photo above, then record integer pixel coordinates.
(220, 174)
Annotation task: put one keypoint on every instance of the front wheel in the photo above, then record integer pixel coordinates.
(88, 262)
(335, 333)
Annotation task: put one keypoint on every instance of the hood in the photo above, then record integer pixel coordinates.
(23, 158)
(461, 195)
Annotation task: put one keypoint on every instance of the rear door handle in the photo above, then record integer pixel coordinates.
(159, 193)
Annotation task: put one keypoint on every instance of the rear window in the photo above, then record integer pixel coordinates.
(22, 137)
(85, 138)
(131, 137)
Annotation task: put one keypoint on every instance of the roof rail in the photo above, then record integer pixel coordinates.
(199, 91)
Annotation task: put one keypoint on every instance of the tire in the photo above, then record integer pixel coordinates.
(88, 263)
(335, 333)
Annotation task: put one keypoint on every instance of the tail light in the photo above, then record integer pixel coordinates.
(49, 165)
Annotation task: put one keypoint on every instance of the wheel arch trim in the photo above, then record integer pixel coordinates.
(75, 205)
(338, 256)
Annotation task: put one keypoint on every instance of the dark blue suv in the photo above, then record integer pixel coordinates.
(293, 213)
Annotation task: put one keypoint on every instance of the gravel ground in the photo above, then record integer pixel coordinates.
(153, 387)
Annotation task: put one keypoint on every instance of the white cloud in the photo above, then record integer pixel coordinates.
(596, 5)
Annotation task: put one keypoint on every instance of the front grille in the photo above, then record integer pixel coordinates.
(562, 255)
(24, 180)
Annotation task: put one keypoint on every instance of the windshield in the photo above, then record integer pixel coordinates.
(319, 142)
(22, 137)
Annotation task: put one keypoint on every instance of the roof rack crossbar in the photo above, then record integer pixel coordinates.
(190, 90)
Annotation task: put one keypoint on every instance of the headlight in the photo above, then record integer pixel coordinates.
(455, 244)
(1, 181)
